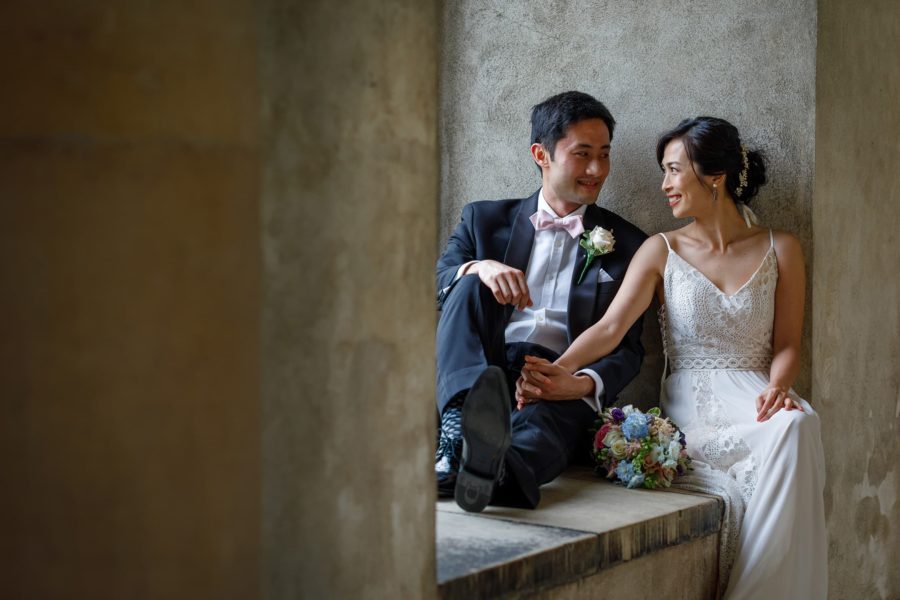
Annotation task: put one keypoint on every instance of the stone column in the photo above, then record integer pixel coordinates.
(130, 276)
(856, 293)
(349, 238)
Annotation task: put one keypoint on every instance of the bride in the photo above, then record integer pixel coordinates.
(732, 297)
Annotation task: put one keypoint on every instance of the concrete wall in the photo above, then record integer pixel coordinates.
(856, 216)
(130, 270)
(217, 244)
(349, 238)
(653, 63)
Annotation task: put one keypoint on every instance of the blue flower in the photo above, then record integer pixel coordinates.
(634, 427)
(636, 481)
(625, 471)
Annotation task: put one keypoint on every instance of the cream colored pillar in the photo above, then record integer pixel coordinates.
(350, 236)
(856, 291)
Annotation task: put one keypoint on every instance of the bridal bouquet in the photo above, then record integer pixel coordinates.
(639, 449)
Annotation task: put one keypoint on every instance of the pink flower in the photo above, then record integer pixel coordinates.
(598, 439)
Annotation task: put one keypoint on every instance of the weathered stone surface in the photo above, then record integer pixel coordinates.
(584, 525)
(484, 557)
(856, 318)
(686, 572)
(349, 202)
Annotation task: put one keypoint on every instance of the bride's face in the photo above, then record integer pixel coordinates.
(685, 191)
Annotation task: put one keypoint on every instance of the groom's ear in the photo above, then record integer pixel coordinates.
(540, 156)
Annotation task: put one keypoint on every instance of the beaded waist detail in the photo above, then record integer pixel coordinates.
(721, 362)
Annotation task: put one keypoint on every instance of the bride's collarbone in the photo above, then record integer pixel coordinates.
(728, 270)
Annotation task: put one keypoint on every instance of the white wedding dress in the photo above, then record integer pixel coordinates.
(719, 349)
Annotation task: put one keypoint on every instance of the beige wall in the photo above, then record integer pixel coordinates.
(216, 255)
(349, 232)
(129, 269)
(856, 216)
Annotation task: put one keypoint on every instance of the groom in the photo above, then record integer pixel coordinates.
(512, 281)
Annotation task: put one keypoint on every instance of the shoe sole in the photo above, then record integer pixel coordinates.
(486, 438)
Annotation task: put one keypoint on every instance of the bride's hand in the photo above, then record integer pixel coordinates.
(771, 400)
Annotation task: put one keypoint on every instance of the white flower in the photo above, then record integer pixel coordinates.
(612, 436)
(674, 449)
(618, 448)
(602, 240)
(596, 242)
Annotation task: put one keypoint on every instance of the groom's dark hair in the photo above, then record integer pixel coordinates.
(552, 118)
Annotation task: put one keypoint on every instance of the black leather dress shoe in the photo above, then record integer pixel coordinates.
(486, 438)
(446, 465)
(446, 484)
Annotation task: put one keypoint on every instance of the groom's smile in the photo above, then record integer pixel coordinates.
(575, 174)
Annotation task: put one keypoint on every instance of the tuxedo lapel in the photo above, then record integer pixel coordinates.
(582, 296)
(521, 235)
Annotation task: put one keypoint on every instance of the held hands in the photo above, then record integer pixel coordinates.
(507, 284)
(543, 380)
(771, 400)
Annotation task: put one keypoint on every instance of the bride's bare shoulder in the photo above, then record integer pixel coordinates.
(787, 245)
(786, 241)
(654, 251)
(674, 237)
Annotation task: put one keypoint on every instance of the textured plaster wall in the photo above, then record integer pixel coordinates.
(856, 333)
(653, 63)
(349, 236)
(130, 270)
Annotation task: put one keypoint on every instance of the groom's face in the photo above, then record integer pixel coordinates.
(579, 166)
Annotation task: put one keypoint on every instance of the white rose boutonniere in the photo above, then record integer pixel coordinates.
(596, 242)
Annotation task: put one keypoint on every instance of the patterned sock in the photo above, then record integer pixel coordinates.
(451, 420)
(446, 458)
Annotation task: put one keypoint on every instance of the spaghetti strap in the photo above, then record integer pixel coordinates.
(667, 241)
(771, 239)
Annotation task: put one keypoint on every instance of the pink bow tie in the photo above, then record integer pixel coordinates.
(542, 221)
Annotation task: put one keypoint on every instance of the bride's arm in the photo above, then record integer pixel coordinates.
(632, 299)
(790, 294)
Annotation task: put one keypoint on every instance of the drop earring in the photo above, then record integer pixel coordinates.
(715, 192)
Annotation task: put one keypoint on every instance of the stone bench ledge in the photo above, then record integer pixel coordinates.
(585, 526)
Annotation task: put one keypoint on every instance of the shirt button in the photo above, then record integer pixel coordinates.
(552, 277)
(559, 243)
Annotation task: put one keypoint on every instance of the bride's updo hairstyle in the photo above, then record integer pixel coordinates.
(714, 146)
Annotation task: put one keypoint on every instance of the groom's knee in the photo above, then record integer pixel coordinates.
(469, 291)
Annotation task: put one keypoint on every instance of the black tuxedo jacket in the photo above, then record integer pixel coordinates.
(501, 230)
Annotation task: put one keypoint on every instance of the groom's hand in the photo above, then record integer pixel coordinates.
(507, 284)
(543, 380)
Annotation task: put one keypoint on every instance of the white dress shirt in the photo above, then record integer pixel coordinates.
(549, 278)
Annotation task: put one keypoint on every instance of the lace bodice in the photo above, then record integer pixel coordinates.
(704, 328)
